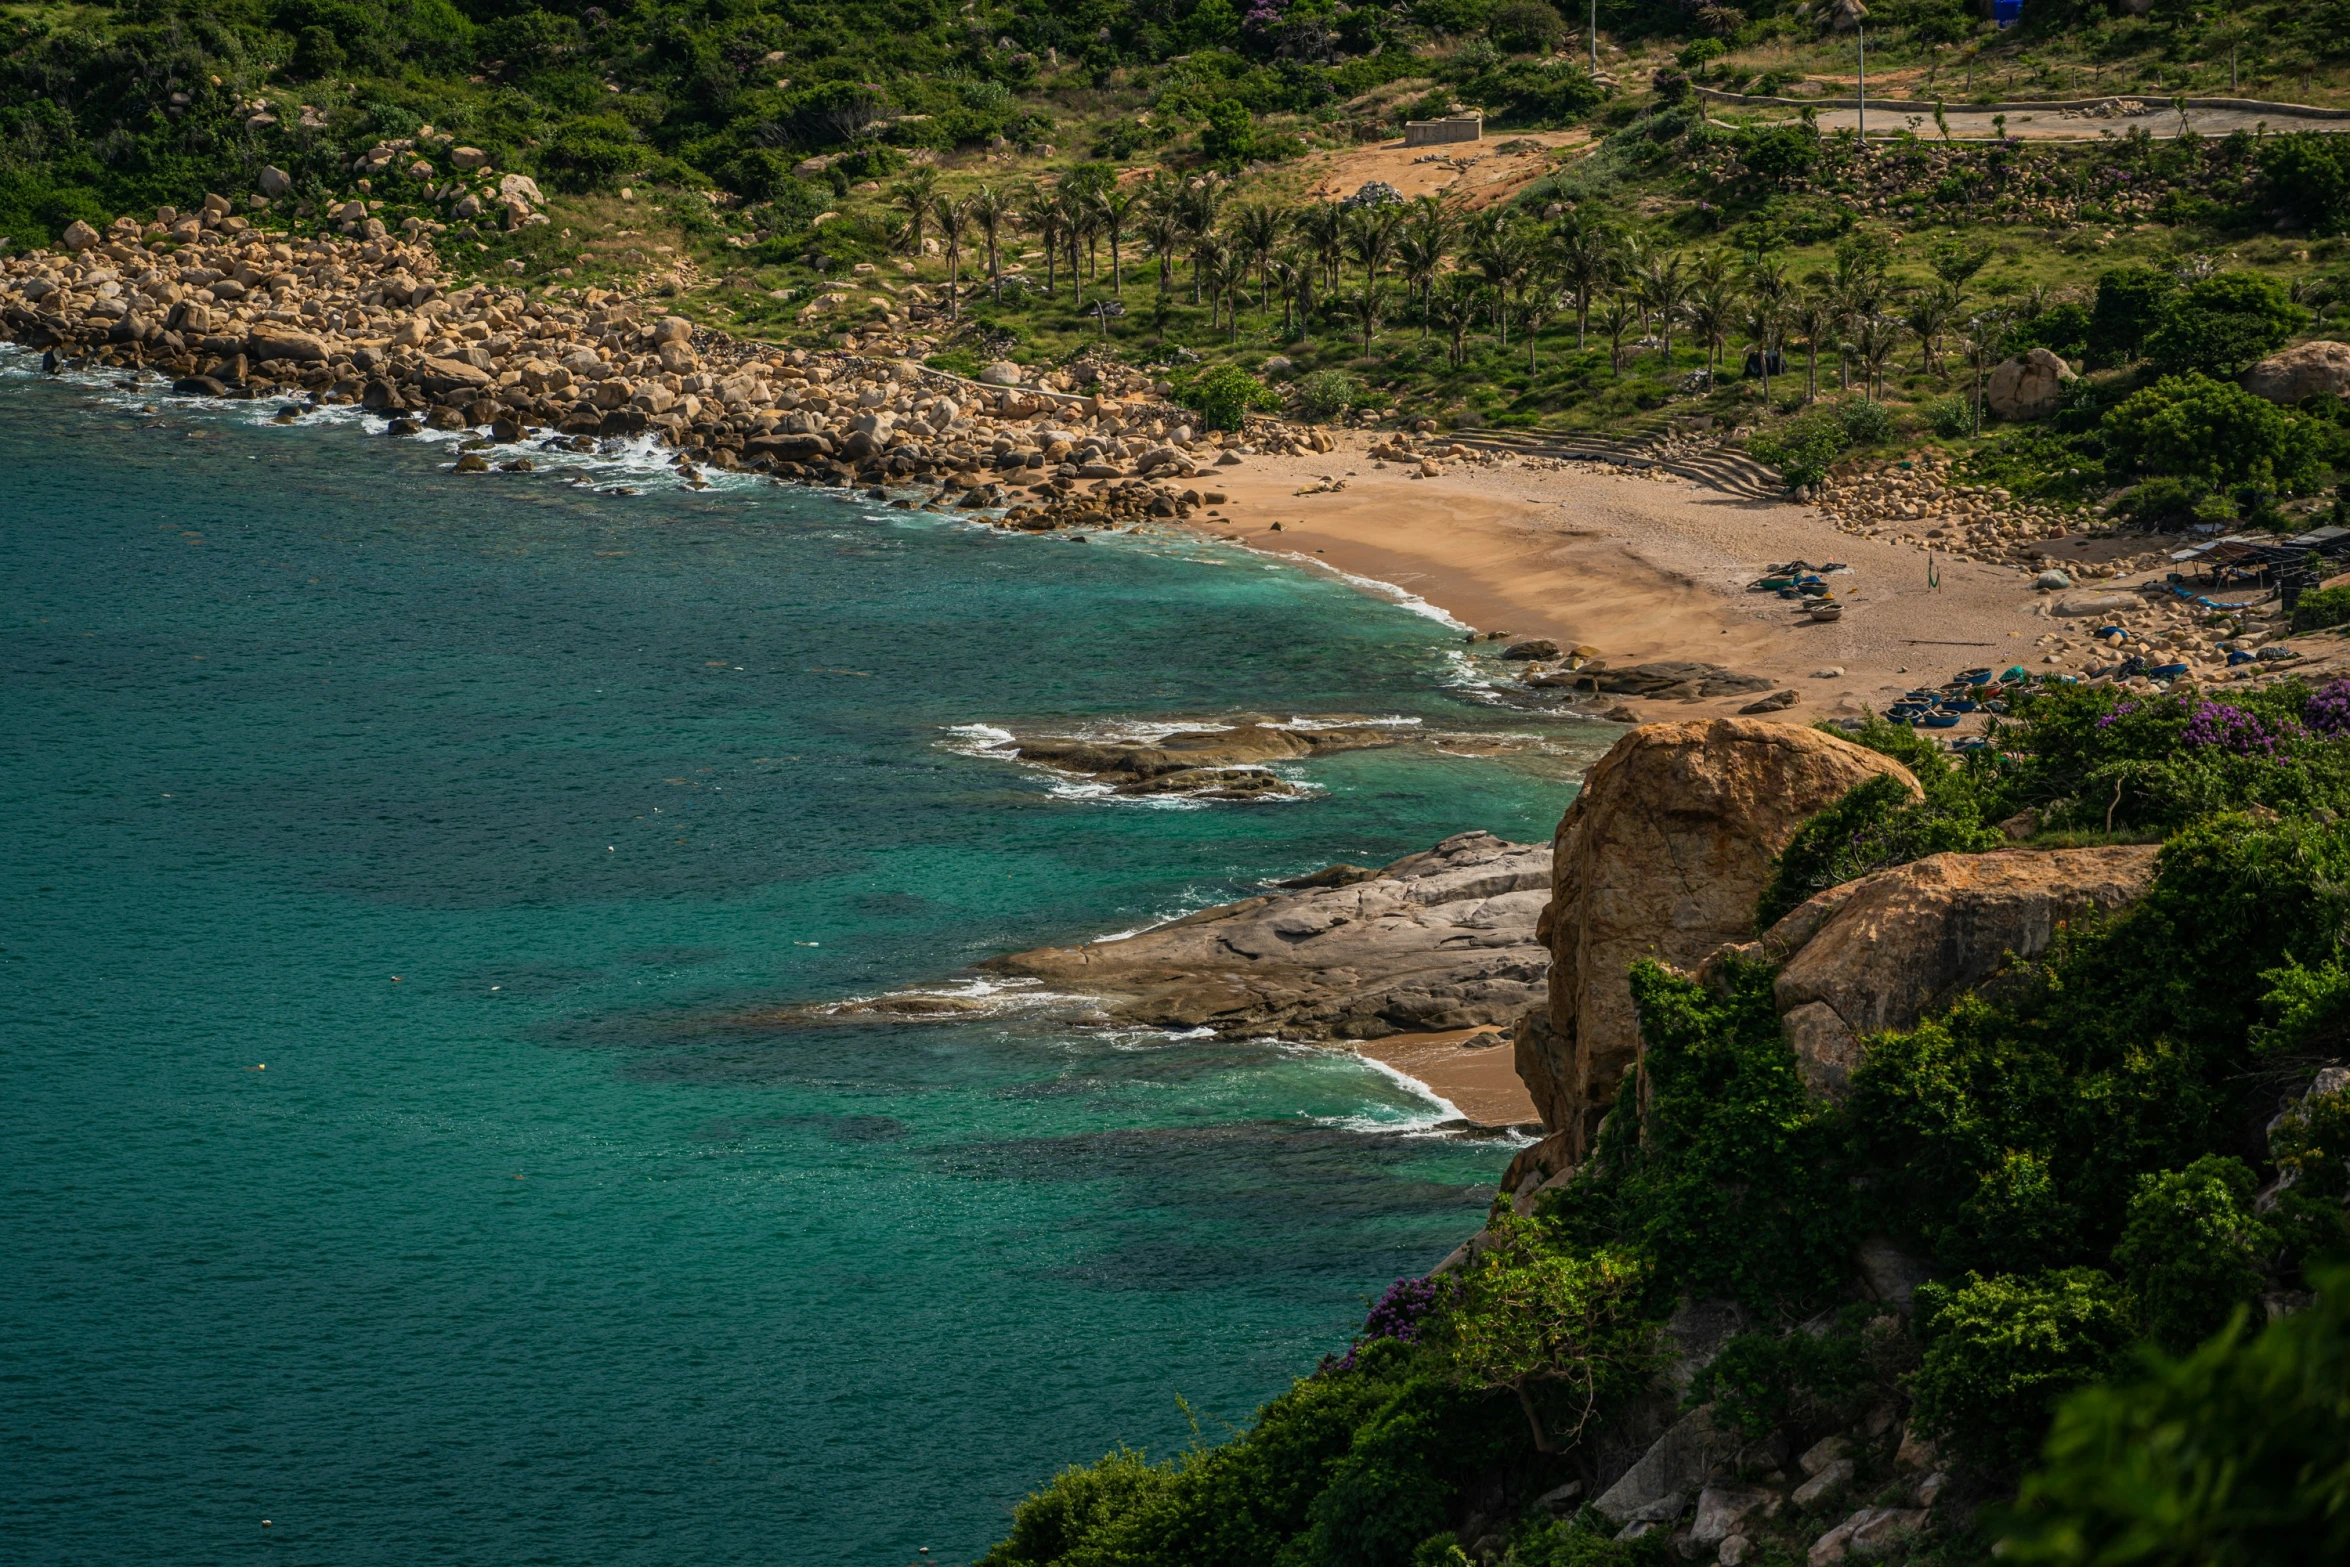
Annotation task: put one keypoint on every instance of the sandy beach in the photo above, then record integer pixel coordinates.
(1640, 568)
(1482, 1082)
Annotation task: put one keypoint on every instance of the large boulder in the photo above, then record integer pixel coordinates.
(79, 236)
(2028, 387)
(1438, 940)
(1881, 952)
(443, 376)
(2304, 370)
(270, 340)
(1662, 856)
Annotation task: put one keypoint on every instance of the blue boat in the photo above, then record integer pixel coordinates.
(1940, 720)
(1959, 705)
(2167, 672)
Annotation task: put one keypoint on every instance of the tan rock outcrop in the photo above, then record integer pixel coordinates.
(2304, 370)
(1662, 856)
(1881, 952)
(2028, 387)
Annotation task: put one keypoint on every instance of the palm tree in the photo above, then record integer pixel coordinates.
(1766, 329)
(952, 213)
(1371, 233)
(1536, 311)
(1110, 207)
(1712, 270)
(1930, 315)
(989, 212)
(1044, 216)
(1076, 233)
(1502, 256)
(1875, 341)
(1585, 264)
(1323, 227)
(1292, 278)
(1257, 230)
(1162, 232)
(1211, 261)
(1662, 288)
(1197, 205)
(914, 193)
(1455, 307)
(1712, 310)
(1617, 317)
(1369, 307)
(1419, 256)
(1813, 318)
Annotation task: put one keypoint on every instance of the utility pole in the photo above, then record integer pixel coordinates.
(1595, 37)
(1861, 31)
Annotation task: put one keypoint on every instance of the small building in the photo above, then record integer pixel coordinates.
(1454, 127)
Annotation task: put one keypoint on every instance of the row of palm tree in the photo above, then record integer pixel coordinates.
(1457, 272)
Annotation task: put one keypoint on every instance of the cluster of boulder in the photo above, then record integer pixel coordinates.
(1920, 501)
(369, 317)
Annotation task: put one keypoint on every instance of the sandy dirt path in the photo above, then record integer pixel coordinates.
(1640, 569)
(1482, 1083)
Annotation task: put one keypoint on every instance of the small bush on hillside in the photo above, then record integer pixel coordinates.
(2307, 173)
(1867, 422)
(2191, 1250)
(2189, 426)
(2325, 608)
(1326, 394)
(1951, 416)
(2000, 1352)
(2171, 504)
(1526, 26)
(1223, 395)
(1803, 449)
(2222, 325)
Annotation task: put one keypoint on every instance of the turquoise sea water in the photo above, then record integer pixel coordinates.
(391, 862)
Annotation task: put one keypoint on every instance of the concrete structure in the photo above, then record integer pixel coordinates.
(1457, 127)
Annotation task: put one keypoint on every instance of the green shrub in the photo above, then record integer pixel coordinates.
(2222, 324)
(2191, 1248)
(1867, 422)
(1802, 449)
(2192, 427)
(1879, 823)
(1223, 395)
(1781, 154)
(1560, 1331)
(2170, 504)
(1526, 26)
(2322, 609)
(2000, 1351)
(2232, 1455)
(1229, 139)
(1326, 394)
(1951, 416)
(1802, 1382)
(2062, 329)
(2308, 175)
(1078, 1506)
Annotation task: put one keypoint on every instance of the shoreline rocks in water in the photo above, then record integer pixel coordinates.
(1444, 939)
(1225, 761)
(370, 317)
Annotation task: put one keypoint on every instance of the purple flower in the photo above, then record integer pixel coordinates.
(2118, 712)
(1400, 1314)
(2328, 709)
(2236, 730)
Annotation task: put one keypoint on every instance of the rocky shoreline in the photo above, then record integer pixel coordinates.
(372, 319)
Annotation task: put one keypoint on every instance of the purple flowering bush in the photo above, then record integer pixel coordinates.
(2236, 730)
(2327, 712)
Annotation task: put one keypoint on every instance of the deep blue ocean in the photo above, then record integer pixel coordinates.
(394, 867)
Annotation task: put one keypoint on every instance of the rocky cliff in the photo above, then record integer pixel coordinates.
(1662, 856)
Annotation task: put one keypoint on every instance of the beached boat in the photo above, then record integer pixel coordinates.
(1827, 610)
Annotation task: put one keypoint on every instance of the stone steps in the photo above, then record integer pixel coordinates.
(1732, 473)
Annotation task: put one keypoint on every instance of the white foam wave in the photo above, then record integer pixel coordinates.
(1400, 596)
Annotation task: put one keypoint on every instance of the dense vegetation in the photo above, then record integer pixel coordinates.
(2077, 1161)
(768, 148)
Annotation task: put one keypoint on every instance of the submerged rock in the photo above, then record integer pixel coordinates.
(1438, 940)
